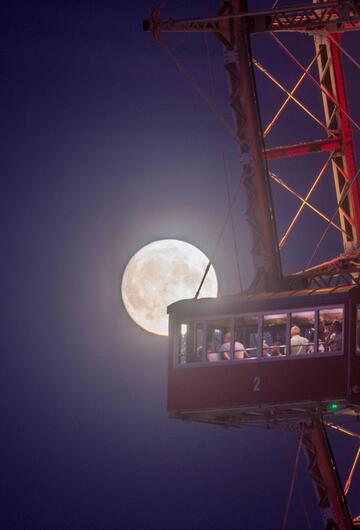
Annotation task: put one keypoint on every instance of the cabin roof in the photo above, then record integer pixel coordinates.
(255, 302)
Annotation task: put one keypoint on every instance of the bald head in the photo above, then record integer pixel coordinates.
(295, 330)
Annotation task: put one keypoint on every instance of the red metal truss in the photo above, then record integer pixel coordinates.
(243, 101)
(347, 159)
(339, 15)
(305, 148)
(321, 465)
(324, 21)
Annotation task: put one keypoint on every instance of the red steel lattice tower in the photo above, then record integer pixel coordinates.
(325, 21)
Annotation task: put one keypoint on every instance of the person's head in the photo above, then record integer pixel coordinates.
(265, 350)
(276, 349)
(227, 336)
(295, 330)
(337, 327)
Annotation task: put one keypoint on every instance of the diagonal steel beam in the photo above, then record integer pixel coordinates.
(330, 144)
(319, 85)
(301, 198)
(303, 204)
(295, 99)
(351, 474)
(288, 99)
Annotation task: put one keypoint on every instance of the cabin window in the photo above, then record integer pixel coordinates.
(270, 335)
(273, 335)
(219, 342)
(302, 332)
(246, 337)
(330, 329)
(191, 339)
(358, 330)
(184, 341)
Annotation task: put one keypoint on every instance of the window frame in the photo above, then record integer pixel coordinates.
(357, 330)
(315, 310)
(260, 314)
(333, 306)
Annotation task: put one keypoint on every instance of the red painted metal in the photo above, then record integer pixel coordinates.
(347, 134)
(328, 488)
(243, 100)
(303, 18)
(281, 382)
(216, 393)
(231, 385)
(330, 144)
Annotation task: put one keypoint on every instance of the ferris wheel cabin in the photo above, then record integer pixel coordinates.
(265, 357)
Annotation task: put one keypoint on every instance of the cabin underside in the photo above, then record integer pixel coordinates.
(291, 415)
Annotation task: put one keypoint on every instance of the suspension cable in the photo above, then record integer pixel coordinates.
(299, 488)
(200, 91)
(234, 199)
(213, 106)
(226, 175)
(293, 479)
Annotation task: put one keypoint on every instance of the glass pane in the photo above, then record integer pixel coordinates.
(184, 339)
(358, 330)
(218, 341)
(190, 342)
(302, 332)
(274, 333)
(330, 329)
(246, 337)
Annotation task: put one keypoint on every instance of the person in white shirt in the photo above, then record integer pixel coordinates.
(240, 352)
(298, 343)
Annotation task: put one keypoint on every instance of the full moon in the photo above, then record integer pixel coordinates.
(162, 273)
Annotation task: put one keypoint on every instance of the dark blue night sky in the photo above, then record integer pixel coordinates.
(105, 148)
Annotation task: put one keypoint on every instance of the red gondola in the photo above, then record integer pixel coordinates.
(237, 358)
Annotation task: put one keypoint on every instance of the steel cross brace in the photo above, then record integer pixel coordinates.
(344, 163)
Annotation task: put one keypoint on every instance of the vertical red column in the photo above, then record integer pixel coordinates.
(348, 140)
(243, 100)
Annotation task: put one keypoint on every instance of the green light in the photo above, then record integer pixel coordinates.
(334, 406)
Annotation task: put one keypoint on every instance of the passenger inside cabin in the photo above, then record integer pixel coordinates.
(277, 348)
(335, 338)
(210, 354)
(265, 350)
(240, 352)
(299, 344)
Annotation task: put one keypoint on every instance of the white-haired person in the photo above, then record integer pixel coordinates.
(298, 344)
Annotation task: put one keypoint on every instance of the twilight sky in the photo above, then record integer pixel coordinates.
(105, 148)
